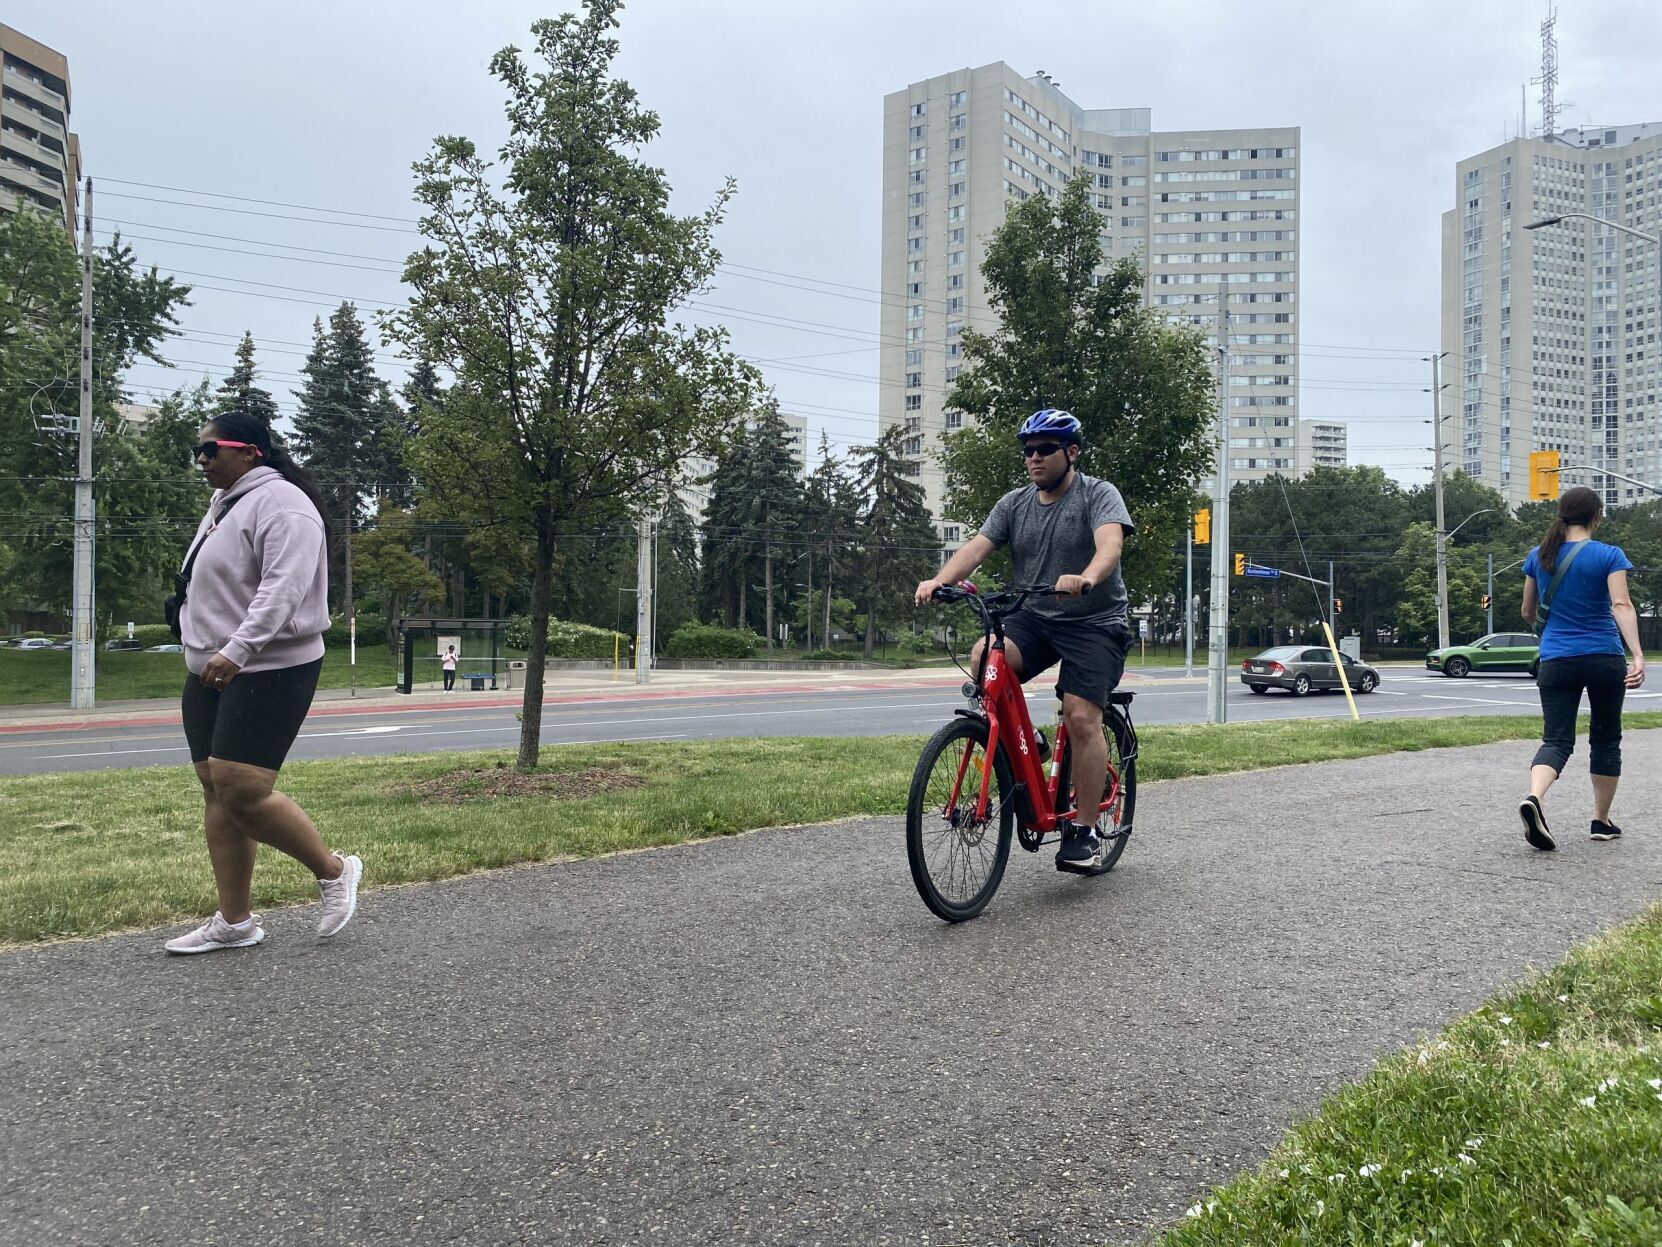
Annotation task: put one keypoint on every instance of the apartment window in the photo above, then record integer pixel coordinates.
(954, 259)
(920, 109)
(917, 177)
(918, 155)
(914, 402)
(915, 221)
(914, 290)
(955, 282)
(914, 245)
(916, 133)
(914, 380)
(953, 329)
(914, 267)
(958, 122)
(952, 372)
(954, 420)
(956, 144)
(1133, 222)
(955, 213)
(1136, 179)
(1133, 160)
(957, 99)
(914, 312)
(955, 304)
(1133, 201)
(955, 236)
(915, 334)
(954, 168)
(913, 358)
(955, 191)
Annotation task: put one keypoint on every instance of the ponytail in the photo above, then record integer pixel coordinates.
(257, 433)
(1579, 506)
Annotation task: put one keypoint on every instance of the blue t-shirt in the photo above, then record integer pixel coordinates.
(1579, 620)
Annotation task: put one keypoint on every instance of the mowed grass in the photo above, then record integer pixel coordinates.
(30, 677)
(88, 853)
(1536, 1120)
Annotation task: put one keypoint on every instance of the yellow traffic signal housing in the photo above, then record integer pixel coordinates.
(1240, 564)
(1543, 475)
(1338, 606)
(1484, 601)
(1203, 526)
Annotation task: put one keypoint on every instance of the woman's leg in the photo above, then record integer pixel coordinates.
(1606, 690)
(1559, 685)
(230, 852)
(258, 811)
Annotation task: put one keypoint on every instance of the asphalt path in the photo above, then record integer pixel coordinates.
(859, 708)
(767, 1039)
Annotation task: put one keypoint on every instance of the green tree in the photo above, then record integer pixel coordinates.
(677, 557)
(239, 395)
(898, 544)
(1074, 336)
(389, 563)
(546, 289)
(145, 487)
(831, 518)
(1417, 609)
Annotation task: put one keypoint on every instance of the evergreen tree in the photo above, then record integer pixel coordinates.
(775, 496)
(831, 518)
(239, 395)
(677, 570)
(899, 546)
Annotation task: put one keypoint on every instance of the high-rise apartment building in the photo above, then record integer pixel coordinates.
(1550, 335)
(1323, 444)
(1212, 214)
(40, 159)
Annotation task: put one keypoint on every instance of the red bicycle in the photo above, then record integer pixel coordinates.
(982, 778)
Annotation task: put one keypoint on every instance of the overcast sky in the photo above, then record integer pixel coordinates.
(327, 104)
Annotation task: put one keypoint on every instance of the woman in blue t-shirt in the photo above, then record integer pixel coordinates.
(1585, 624)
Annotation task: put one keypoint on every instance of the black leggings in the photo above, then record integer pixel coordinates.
(254, 719)
(1560, 683)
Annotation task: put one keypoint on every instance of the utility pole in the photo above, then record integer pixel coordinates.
(83, 672)
(1437, 487)
(1217, 657)
(643, 600)
(351, 606)
(1489, 626)
(1189, 599)
(1332, 615)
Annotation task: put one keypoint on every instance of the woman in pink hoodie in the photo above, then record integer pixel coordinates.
(254, 609)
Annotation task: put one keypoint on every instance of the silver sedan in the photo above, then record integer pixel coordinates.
(1300, 668)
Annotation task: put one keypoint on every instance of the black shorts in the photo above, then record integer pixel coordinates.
(1092, 654)
(254, 720)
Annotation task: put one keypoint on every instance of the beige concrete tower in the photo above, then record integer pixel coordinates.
(40, 159)
(1198, 208)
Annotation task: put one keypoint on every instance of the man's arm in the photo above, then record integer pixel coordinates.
(1110, 543)
(964, 560)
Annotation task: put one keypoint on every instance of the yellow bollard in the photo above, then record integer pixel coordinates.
(1339, 662)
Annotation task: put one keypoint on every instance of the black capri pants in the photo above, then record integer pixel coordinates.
(1560, 682)
(254, 719)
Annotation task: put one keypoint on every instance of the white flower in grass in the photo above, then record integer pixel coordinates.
(1285, 1173)
(1544, 1044)
(1194, 1211)
(1321, 1207)
(1587, 1101)
(1442, 1045)
(1425, 1055)
(1367, 1171)
(1475, 1141)
(1655, 1084)
(1418, 1242)
(1405, 1174)
(1466, 1160)
(1335, 1178)
(1606, 1084)
(1505, 1021)
(1563, 1000)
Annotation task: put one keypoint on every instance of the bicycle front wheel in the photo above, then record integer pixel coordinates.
(957, 858)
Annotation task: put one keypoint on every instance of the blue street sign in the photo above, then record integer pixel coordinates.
(1267, 573)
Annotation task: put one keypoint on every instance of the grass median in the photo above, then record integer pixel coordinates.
(88, 853)
(1536, 1120)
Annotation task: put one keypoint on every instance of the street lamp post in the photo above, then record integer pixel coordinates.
(1442, 572)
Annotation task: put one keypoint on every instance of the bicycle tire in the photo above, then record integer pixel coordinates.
(1122, 759)
(928, 833)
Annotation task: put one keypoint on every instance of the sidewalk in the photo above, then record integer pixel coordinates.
(767, 1039)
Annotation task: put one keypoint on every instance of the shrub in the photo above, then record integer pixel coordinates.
(568, 640)
(372, 630)
(695, 640)
(150, 634)
(829, 655)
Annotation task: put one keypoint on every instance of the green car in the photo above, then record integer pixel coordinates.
(1499, 651)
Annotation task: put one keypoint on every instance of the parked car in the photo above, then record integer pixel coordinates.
(165, 649)
(1301, 668)
(123, 643)
(1499, 651)
(34, 642)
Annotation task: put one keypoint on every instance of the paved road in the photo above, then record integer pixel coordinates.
(768, 1040)
(862, 707)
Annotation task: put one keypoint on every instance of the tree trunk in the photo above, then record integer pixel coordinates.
(743, 604)
(767, 592)
(808, 638)
(530, 726)
(830, 574)
(871, 631)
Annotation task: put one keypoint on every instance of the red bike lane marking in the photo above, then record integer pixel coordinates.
(331, 711)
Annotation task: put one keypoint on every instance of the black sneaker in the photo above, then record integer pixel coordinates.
(1606, 831)
(1535, 824)
(1081, 850)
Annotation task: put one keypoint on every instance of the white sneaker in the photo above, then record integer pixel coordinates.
(216, 933)
(339, 896)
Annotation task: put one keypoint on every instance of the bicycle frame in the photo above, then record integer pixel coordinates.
(1005, 707)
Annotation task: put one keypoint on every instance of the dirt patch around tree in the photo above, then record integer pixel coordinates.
(487, 783)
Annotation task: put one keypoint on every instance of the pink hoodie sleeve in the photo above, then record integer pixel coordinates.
(289, 545)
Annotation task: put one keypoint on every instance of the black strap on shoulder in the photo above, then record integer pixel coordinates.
(183, 578)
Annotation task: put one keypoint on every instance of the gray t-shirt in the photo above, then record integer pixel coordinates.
(1048, 542)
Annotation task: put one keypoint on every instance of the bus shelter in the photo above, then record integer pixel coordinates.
(478, 642)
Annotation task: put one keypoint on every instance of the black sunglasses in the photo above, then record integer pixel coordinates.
(1042, 451)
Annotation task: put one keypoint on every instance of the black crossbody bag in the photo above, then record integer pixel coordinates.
(1543, 609)
(173, 605)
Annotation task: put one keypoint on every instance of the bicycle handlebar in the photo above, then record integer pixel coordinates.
(1001, 602)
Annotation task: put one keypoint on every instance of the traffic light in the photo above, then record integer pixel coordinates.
(1203, 526)
(1240, 564)
(1338, 606)
(1484, 601)
(1543, 475)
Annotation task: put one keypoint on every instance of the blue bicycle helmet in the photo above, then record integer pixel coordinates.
(1051, 422)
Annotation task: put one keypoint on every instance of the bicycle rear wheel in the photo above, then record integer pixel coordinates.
(1113, 824)
(957, 859)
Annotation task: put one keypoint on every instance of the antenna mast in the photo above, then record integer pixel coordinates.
(1549, 75)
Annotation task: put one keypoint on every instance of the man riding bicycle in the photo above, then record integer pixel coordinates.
(1067, 529)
